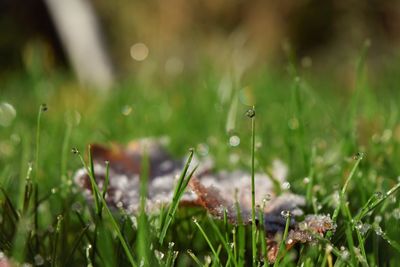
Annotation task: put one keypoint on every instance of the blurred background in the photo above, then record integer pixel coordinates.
(163, 40)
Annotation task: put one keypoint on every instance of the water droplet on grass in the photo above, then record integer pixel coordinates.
(75, 151)
(306, 180)
(207, 259)
(378, 230)
(344, 254)
(43, 107)
(267, 198)
(7, 114)
(285, 185)
(378, 195)
(359, 156)
(363, 228)
(159, 255)
(251, 113)
(285, 213)
(171, 245)
(328, 248)
(234, 141)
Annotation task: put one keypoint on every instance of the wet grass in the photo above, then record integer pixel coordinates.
(342, 148)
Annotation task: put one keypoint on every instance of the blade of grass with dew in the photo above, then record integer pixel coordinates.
(142, 240)
(350, 227)
(359, 157)
(264, 249)
(171, 255)
(251, 113)
(374, 201)
(179, 189)
(115, 226)
(281, 248)
(55, 243)
(194, 257)
(214, 252)
(223, 241)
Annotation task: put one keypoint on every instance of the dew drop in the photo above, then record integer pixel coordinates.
(74, 150)
(251, 113)
(363, 228)
(359, 156)
(306, 180)
(267, 198)
(378, 230)
(328, 248)
(159, 255)
(7, 114)
(285, 213)
(171, 245)
(207, 259)
(345, 255)
(54, 190)
(285, 185)
(378, 195)
(234, 141)
(43, 107)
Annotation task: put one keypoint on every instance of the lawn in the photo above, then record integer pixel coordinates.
(340, 142)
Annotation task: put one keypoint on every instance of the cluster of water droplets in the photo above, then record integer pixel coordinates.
(363, 228)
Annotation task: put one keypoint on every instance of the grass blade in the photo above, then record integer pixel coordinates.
(181, 186)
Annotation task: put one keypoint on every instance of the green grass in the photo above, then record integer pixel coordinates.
(314, 124)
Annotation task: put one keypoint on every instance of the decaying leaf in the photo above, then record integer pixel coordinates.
(217, 192)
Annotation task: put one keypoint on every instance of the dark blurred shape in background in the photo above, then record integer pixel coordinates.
(157, 37)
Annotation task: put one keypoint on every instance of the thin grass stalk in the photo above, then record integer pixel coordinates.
(214, 252)
(177, 195)
(281, 248)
